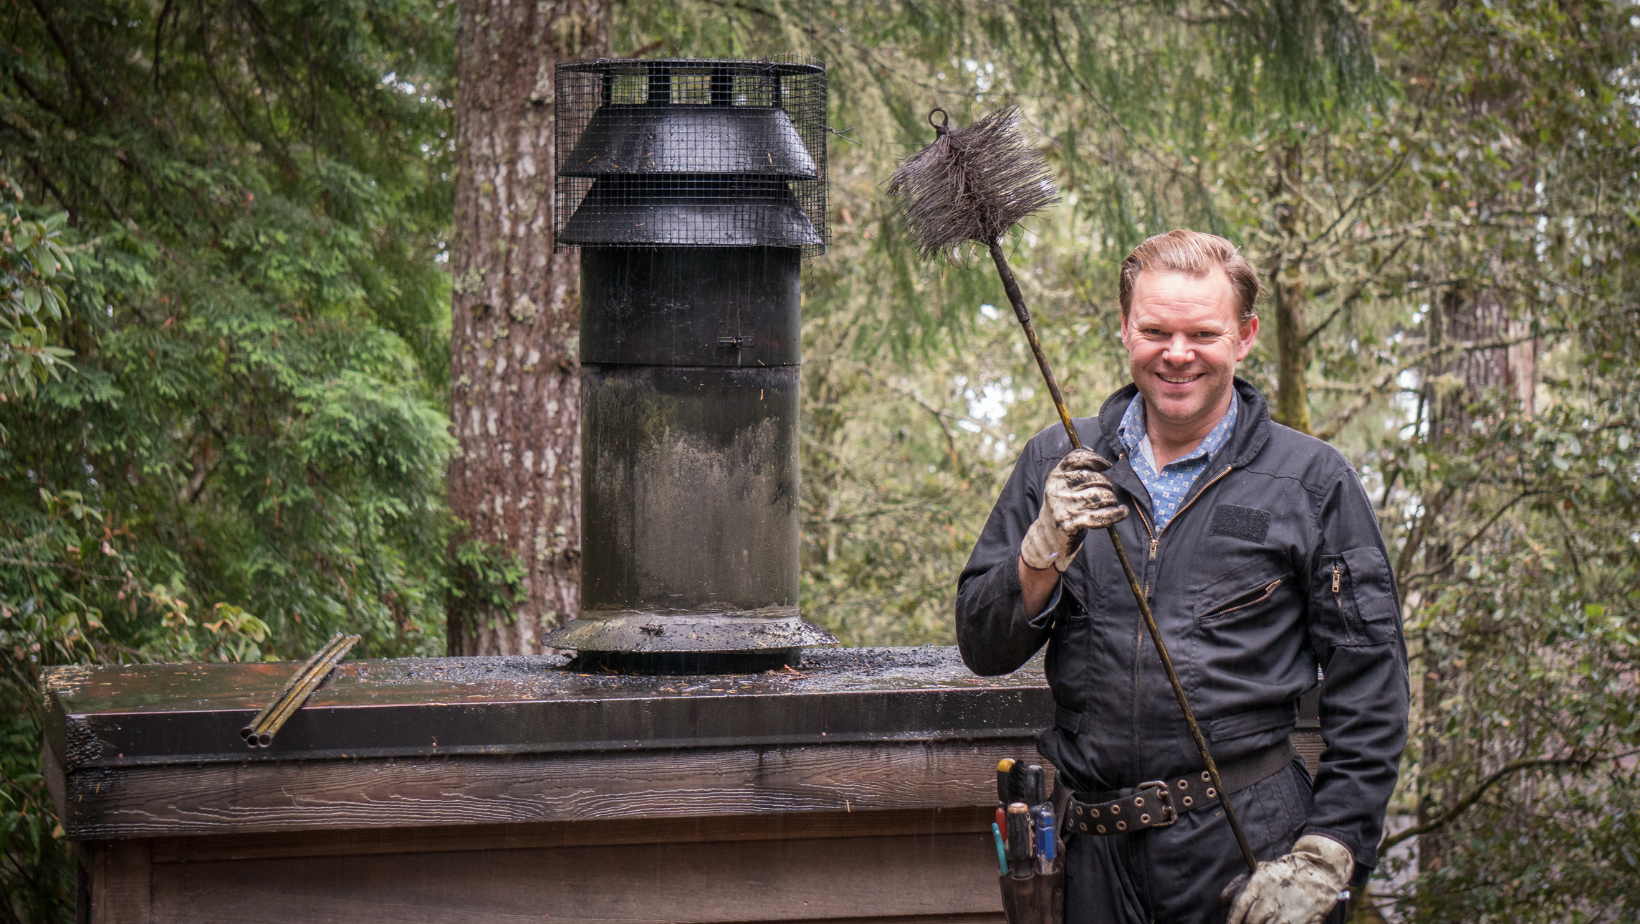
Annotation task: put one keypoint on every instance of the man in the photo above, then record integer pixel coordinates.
(1261, 557)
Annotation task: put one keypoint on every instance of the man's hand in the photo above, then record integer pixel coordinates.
(1076, 498)
(1299, 888)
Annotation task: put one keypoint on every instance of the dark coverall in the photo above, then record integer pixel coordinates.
(1272, 565)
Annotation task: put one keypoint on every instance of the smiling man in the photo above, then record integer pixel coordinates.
(1262, 559)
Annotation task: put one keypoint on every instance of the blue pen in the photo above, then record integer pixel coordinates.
(1002, 852)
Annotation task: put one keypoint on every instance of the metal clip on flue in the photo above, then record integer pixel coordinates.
(259, 734)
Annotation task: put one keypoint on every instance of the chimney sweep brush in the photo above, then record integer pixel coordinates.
(971, 186)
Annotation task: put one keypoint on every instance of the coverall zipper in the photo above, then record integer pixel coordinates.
(1155, 542)
(1156, 537)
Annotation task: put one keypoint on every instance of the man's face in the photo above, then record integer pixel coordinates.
(1183, 342)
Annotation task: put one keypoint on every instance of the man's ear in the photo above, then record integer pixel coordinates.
(1247, 335)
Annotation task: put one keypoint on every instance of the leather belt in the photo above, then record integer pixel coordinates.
(1159, 803)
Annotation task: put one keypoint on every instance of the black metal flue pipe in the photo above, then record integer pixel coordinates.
(692, 236)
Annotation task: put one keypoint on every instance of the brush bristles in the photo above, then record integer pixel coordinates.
(971, 185)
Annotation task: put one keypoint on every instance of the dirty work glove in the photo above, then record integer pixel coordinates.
(1299, 888)
(1076, 498)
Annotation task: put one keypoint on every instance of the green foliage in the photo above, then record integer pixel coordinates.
(915, 397)
(488, 580)
(33, 267)
(234, 216)
(1451, 209)
(245, 453)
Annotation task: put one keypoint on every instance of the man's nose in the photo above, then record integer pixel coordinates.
(1179, 350)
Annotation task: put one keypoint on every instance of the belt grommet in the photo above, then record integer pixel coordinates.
(1188, 801)
(1184, 784)
(1206, 777)
(1093, 812)
(1078, 809)
(1210, 792)
(1116, 810)
(1138, 800)
(1121, 826)
(1144, 819)
(1101, 829)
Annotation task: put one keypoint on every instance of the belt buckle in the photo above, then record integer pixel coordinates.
(1164, 794)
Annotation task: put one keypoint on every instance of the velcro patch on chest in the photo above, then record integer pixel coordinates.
(1248, 523)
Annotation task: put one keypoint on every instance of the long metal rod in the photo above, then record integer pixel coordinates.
(297, 691)
(1011, 286)
(300, 694)
(296, 679)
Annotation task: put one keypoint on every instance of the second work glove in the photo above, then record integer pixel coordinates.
(1299, 888)
(1076, 498)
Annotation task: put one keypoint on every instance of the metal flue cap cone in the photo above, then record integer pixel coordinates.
(721, 140)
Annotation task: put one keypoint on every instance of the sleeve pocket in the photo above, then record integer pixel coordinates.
(1371, 589)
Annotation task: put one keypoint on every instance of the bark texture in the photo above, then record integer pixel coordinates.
(1287, 290)
(1452, 385)
(514, 395)
(1292, 353)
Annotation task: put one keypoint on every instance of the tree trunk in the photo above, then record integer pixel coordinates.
(515, 389)
(1292, 359)
(1287, 289)
(1452, 384)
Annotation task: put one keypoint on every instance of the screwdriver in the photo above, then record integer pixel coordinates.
(1045, 847)
(1019, 839)
(1004, 767)
(1036, 786)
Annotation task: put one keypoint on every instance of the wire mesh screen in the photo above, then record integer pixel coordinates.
(691, 152)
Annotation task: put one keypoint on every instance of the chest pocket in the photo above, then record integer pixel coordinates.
(1240, 593)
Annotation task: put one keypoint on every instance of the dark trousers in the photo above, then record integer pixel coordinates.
(1174, 875)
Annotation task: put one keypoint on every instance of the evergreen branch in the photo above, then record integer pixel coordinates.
(1358, 405)
(1099, 103)
(34, 563)
(1474, 795)
(274, 143)
(69, 58)
(1365, 194)
(159, 42)
(938, 414)
(1400, 161)
(1356, 292)
(1493, 519)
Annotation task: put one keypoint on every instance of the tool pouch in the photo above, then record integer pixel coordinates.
(1035, 899)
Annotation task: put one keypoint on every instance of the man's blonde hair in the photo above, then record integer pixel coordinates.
(1193, 254)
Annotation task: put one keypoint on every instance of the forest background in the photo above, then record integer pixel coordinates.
(225, 349)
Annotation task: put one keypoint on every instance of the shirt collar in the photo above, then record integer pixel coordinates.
(1131, 432)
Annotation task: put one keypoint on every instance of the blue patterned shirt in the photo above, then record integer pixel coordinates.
(1169, 486)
